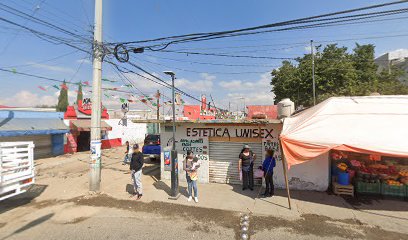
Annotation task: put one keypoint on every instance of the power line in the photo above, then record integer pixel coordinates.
(290, 22)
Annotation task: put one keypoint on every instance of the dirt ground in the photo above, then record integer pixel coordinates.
(60, 207)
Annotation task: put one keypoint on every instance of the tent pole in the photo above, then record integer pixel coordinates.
(285, 173)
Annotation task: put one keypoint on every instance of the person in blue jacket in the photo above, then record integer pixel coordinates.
(267, 166)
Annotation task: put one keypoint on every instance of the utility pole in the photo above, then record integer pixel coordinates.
(174, 162)
(313, 73)
(95, 164)
(158, 110)
(229, 106)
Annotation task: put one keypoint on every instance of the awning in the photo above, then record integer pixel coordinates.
(372, 124)
(10, 127)
(85, 125)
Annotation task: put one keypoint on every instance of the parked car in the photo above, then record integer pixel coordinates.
(151, 147)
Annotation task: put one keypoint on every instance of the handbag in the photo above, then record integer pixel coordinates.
(258, 173)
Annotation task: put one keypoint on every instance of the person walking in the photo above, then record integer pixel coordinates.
(126, 159)
(267, 166)
(190, 165)
(246, 167)
(136, 165)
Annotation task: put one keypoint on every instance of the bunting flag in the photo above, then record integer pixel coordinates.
(86, 83)
(154, 104)
(115, 96)
(130, 100)
(42, 88)
(149, 98)
(157, 95)
(14, 70)
(106, 95)
(107, 80)
(122, 100)
(55, 86)
(143, 100)
(129, 85)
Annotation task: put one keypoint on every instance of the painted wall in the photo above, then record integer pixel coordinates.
(132, 132)
(166, 142)
(312, 175)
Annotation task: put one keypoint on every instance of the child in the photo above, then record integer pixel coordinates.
(196, 164)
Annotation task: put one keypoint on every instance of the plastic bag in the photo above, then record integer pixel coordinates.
(258, 173)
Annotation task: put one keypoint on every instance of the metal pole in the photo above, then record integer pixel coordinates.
(285, 173)
(313, 73)
(95, 164)
(174, 162)
(174, 112)
(158, 111)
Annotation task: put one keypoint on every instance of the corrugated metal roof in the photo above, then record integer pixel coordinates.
(31, 126)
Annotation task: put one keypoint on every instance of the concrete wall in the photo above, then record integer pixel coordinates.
(312, 175)
(132, 132)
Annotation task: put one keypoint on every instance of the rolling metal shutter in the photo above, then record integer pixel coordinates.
(224, 160)
(42, 144)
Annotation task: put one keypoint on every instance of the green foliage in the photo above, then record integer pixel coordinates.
(337, 73)
(80, 94)
(63, 99)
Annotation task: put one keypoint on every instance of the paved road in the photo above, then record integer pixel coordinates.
(59, 208)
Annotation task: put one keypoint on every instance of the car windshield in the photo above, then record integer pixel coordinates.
(152, 138)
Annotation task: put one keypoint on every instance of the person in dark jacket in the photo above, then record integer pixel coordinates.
(136, 165)
(246, 167)
(267, 166)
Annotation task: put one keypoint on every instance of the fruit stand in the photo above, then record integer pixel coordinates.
(371, 174)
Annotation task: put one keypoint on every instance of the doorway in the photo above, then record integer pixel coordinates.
(84, 141)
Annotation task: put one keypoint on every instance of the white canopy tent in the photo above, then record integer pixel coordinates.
(370, 124)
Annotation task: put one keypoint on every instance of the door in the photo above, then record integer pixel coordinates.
(223, 166)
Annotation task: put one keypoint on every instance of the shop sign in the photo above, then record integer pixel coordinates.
(86, 104)
(199, 147)
(272, 144)
(230, 133)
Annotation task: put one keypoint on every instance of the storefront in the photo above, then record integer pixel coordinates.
(78, 118)
(218, 143)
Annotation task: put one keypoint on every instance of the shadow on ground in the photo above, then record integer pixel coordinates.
(20, 200)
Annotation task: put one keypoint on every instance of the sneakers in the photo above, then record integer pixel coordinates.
(189, 199)
(139, 196)
(196, 199)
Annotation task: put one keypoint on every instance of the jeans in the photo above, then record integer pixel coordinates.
(137, 181)
(191, 185)
(248, 178)
(269, 189)
(126, 159)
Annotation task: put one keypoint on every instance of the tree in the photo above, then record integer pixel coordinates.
(337, 73)
(63, 98)
(79, 95)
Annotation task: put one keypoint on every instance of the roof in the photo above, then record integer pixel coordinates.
(19, 123)
(271, 111)
(85, 125)
(370, 124)
(214, 121)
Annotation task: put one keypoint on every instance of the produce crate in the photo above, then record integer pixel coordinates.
(368, 188)
(343, 189)
(395, 191)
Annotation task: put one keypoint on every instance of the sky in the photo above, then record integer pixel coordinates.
(128, 20)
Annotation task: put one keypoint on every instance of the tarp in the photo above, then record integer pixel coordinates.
(371, 124)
